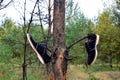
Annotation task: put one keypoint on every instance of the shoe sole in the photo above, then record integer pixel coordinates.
(96, 53)
(38, 55)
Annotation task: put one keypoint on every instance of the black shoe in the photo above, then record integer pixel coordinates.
(91, 48)
(40, 50)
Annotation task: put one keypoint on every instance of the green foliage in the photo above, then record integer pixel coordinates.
(77, 26)
(10, 41)
(11, 51)
(36, 33)
(109, 37)
(116, 21)
(92, 77)
(116, 13)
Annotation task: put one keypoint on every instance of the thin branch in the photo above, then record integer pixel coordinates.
(31, 19)
(1, 2)
(24, 18)
(49, 25)
(71, 45)
(5, 5)
(50, 22)
(41, 21)
(19, 13)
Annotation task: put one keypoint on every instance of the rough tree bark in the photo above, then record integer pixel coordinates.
(59, 64)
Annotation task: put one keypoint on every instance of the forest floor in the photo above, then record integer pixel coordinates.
(80, 73)
(75, 72)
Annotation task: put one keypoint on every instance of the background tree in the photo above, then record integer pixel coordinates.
(116, 22)
(109, 37)
(77, 26)
(116, 13)
(10, 44)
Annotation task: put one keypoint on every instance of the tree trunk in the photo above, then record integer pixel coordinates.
(59, 63)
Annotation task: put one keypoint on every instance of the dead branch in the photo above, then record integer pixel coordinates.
(31, 19)
(4, 6)
(40, 19)
(71, 45)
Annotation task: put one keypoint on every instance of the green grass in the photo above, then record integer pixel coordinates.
(35, 71)
(95, 72)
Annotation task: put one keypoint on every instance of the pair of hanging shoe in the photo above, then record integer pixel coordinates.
(90, 45)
